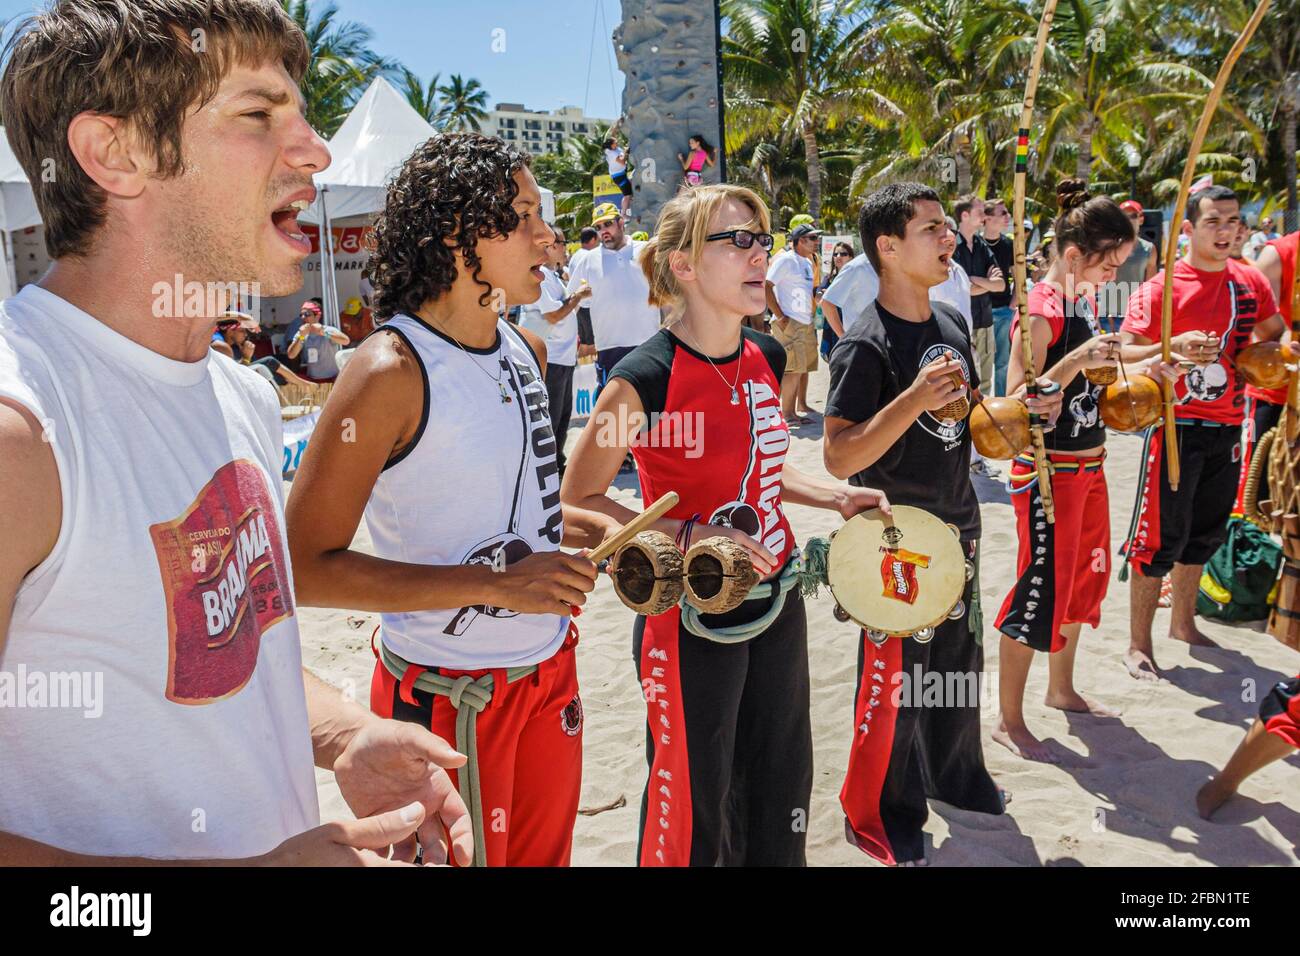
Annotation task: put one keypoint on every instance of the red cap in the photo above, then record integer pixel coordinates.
(310, 306)
(1131, 205)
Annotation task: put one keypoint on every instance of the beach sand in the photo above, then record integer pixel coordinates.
(1122, 795)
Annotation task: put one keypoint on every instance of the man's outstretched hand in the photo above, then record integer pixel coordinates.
(389, 764)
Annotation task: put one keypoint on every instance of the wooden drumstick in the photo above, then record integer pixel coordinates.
(634, 527)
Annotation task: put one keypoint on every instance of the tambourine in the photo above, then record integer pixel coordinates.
(899, 577)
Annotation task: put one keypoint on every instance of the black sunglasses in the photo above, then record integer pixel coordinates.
(743, 238)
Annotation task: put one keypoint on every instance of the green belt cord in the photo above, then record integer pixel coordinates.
(468, 696)
(739, 633)
(804, 568)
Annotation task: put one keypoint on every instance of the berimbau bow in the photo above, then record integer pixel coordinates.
(1171, 247)
(1036, 422)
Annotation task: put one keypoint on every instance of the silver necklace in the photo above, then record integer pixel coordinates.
(505, 396)
(740, 354)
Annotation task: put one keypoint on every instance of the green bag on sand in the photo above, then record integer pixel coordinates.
(1239, 580)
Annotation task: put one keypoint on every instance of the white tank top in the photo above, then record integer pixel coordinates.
(478, 482)
(151, 695)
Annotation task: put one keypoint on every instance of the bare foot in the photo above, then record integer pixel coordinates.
(1023, 744)
(806, 411)
(1212, 796)
(1076, 703)
(1194, 638)
(1141, 666)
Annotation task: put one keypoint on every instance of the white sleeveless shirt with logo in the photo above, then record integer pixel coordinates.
(151, 694)
(478, 483)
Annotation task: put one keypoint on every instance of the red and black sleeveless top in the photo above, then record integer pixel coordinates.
(723, 460)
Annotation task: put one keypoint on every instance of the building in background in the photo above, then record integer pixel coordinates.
(539, 131)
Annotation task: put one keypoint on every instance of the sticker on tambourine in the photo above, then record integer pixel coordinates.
(898, 573)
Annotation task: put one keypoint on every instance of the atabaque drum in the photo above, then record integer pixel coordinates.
(897, 578)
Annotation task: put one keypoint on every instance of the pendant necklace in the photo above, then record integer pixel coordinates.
(735, 395)
(505, 396)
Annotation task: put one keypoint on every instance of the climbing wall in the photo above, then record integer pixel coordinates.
(668, 51)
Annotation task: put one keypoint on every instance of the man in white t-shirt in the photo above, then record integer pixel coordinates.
(621, 314)
(1260, 238)
(790, 299)
(857, 284)
(141, 504)
(553, 317)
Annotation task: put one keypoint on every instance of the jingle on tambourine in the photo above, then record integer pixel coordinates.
(1267, 364)
(1000, 428)
(1132, 404)
(958, 408)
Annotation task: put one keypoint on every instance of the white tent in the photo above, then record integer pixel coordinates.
(17, 211)
(380, 132)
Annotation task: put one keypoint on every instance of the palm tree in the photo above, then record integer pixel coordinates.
(342, 62)
(791, 70)
(934, 69)
(1267, 84)
(423, 98)
(569, 175)
(464, 104)
(1106, 89)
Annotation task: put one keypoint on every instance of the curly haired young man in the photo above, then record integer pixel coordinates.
(438, 432)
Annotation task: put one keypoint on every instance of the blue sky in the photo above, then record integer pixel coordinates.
(548, 45)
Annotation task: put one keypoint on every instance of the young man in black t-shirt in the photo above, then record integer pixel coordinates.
(889, 375)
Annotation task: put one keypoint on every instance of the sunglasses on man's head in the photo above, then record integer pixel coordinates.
(743, 238)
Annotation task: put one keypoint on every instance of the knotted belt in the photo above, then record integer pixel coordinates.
(468, 696)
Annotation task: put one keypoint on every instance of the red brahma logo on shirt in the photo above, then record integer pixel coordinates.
(226, 582)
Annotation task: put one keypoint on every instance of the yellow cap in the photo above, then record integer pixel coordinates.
(605, 212)
(352, 307)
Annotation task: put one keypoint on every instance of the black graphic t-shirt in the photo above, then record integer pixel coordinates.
(1079, 425)
(929, 467)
